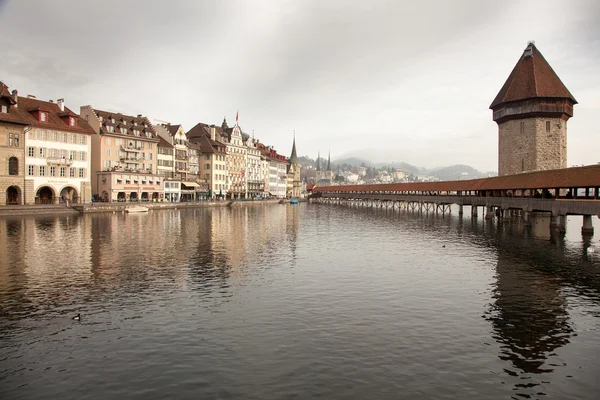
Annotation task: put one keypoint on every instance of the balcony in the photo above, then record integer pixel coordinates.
(131, 148)
(59, 161)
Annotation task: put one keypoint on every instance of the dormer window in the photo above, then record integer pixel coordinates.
(43, 116)
(72, 121)
(136, 132)
(101, 118)
(112, 120)
(124, 131)
(4, 109)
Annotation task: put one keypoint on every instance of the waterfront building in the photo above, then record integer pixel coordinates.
(124, 156)
(213, 163)
(13, 125)
(237, 153)
(46, 149)
(165, 159)
(180, 160)
(532, 110)
(293, 174)
(255, 176)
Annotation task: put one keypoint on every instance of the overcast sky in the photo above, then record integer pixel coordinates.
(391, 80)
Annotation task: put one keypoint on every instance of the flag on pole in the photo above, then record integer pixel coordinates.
(237, 115)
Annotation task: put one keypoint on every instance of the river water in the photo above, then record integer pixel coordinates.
(306, 301)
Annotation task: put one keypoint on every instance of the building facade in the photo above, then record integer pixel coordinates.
(124, 149)
(13, 127)
(532, 110)
(55, 145)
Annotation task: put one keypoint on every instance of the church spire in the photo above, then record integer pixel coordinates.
(224, 124)
(318, 161)
(329, 161)
(294, 156)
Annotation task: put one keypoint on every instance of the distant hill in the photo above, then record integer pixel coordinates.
(456, 172)
(353, 161)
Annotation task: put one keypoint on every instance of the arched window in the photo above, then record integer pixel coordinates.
(13, 166)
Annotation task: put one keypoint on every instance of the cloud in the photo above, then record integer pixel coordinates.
(412, 78)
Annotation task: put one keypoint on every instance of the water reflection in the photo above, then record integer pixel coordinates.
(298, 276)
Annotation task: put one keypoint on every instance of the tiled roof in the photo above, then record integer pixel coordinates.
(21, 113)
(588, 176)
(172, 129)
(128, 122)
(532, 77)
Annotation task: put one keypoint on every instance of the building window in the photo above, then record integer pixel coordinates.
(73, 139)
(63, 138)
(4, 108)
(52, 153)
(63, 154)
(52, 171)
(547, 126)
(72, 155)
(42, 135)
(149, 156)
(205, 176)
(72, 172)
(82, 139)
(107, 152)
(72, 121)
(42, 170)
(82, 156)
(42, 152)
(207, 166)
(53, 136)
(13, 166)
(63, 170)
(82, 172)
(31, 170)
(43, 116)
(31, 151)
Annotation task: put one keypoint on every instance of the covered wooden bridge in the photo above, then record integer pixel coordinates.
(561, 192)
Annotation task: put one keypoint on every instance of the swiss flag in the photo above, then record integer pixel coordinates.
(237, 115)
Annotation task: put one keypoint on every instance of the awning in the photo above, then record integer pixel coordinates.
(191, 184)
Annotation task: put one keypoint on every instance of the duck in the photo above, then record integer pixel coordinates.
(77, 317)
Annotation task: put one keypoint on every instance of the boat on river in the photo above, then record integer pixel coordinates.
(294, 201)
(136, 209)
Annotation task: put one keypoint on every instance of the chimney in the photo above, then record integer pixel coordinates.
(139, 116)
(15, 96)
(61, 104)
(30, 96)
(213, 133)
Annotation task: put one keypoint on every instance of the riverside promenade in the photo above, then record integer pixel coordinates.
(86, 208)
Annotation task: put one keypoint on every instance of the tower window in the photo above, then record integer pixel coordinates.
(547, 126)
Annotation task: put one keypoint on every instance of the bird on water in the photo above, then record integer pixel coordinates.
(77, 317)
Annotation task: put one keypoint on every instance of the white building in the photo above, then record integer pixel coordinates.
(57, 152)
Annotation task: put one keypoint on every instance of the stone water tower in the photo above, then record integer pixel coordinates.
(531, 111)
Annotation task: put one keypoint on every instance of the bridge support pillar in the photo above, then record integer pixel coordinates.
(554, 221)
(506, 215)
(561, 224)
(528, 219)
(587, 227)
(474, 211)
(460, 209)
(489, 212)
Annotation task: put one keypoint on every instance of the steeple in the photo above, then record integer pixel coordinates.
(319, 161)
(329, 161)
(224, 124)
(294, 156)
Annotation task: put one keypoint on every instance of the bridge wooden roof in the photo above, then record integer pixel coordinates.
(581, 177)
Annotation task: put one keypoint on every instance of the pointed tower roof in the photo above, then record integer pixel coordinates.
(294, 156)
(319, 161)
(532, 77)
(224, 124)
(329, 161)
